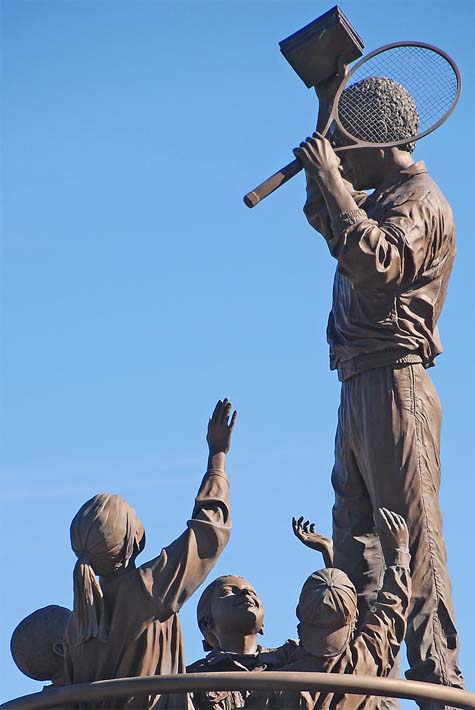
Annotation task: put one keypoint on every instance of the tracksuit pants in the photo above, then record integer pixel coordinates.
(387, 455)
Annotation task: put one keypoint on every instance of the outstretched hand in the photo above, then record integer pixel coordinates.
(220, 428)
(392, 530)
(306, 533)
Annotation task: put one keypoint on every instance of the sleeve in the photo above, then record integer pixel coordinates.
(172, 577)
(376, 646)
(276, 658)
(376, 255)
(316, 211)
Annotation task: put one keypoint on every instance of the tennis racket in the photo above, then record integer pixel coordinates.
(426, 73)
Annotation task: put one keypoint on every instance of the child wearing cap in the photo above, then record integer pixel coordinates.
(327, 612)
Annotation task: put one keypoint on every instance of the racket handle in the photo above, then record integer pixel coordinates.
(276, 180)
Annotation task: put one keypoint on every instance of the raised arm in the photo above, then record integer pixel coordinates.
(384, 627)
(324, 179)
(305, 532)
(371, 254)
(171, 578)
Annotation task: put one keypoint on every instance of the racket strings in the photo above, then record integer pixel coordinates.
(398, 94)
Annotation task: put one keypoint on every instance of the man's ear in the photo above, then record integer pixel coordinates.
(261, 630)
(58, 649)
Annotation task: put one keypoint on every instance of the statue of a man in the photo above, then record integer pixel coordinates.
(125, 620)
(395, 250)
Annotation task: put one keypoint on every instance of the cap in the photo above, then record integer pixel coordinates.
(327, 611)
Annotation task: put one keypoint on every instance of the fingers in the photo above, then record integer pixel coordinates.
(398, 522)
(226, 410)
(300, 527)
(392, 520)
(385, 527)
(315, 149)
(384, 521)
(392, 530)
(216, 411)
(222, 412)
(297, 525)
(233, 420)
(311, 145)
(308, 527)
(302, 153)
(225, 406)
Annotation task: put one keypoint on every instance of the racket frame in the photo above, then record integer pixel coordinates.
(357, 143)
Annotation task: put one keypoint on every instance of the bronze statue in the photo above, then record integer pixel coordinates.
(125, 623)
(231, 616)
(395, 250)
(327, 612)
(37, 644)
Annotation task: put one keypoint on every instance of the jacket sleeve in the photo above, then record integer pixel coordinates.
(392, 252)
(316, 211)
(376, 646)
(172, 577)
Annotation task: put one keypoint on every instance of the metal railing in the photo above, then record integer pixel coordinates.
(269, 681)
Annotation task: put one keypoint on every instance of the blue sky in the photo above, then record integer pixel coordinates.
(137, 289)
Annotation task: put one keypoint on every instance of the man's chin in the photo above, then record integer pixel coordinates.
(360, 184)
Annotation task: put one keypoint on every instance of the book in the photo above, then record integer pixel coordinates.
(314, 50)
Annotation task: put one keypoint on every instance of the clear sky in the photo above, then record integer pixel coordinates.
(137, 288)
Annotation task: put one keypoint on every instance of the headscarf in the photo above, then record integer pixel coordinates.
(105, 533)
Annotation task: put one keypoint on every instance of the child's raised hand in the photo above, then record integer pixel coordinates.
(306, 533)
(220, 427)
(392, 530)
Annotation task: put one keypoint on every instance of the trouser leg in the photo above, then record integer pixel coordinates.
(394, 416)
(356, 543)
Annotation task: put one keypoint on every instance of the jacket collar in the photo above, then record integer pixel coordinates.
(217, 655)
(404, 175)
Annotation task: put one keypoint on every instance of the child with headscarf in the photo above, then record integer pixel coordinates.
(125, 618)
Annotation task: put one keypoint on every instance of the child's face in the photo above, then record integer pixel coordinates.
(235, 607)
